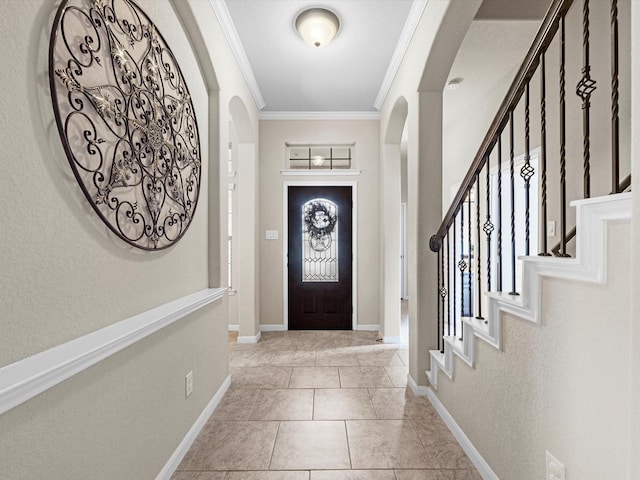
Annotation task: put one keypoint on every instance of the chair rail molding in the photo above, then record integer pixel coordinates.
(24, 379)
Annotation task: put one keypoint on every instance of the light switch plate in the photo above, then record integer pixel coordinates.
(271, 234)
(188, 384)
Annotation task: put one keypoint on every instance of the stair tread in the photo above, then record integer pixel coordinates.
(506, 297)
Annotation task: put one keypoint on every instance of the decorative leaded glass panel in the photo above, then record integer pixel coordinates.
(319, 241)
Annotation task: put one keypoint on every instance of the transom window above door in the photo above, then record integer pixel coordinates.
(319, 157)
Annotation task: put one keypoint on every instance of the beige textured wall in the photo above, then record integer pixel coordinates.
(124, 417)
(273, 135)
(562, 386)
(63, 274)
(634, 339)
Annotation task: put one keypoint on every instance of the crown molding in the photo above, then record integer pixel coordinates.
(224, 17)
(415, 13)
(319, 115)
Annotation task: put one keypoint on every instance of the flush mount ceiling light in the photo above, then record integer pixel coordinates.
(317, 26)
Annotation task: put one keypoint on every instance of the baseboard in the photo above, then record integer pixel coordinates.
(418, 390)
(249, 339)
(277, 327)
(31, 376)
(175, 459)
(480, 463)
(234, 328)
(373, 327)
(388, 339)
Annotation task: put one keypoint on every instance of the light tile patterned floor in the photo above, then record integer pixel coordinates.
(323, 406)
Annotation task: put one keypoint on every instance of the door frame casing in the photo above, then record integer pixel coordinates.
(285, 243)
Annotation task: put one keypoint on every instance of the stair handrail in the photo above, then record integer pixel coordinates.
(541, 42)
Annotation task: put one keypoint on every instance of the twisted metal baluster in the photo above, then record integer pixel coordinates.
(478, 258)
(462, 265)
(543, 153)
(584, 89)
(527, 171)
(438, 298)
(455, 315)
(513, 208)
(615, 124)
(470, 297)
(488, 226)
(563, 146)
(443, 293)
(499, 219)
(448, 288)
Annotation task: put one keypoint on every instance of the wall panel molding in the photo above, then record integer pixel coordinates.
(33, 375)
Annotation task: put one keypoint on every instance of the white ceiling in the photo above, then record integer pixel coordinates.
(347, 75)
(352, 74)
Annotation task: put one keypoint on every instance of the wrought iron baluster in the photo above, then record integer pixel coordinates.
(448, 288)
(470, 263)
(455, 314)
(488, 226)
(499, 217)
(563, 145)
(615, 124)
(438, 297)
(442, 292)
(462, 265)
(478, 256)
(584, 89)
(543, 153)
(526, 172)
(513, 207)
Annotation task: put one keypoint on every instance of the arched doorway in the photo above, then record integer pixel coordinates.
(243, 185)
(392, 235)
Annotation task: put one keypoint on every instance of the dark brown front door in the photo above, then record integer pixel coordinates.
(320, 258)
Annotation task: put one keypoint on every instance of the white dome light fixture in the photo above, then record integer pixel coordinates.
(317, 26)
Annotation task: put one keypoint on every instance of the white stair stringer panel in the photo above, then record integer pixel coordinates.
(592, 217)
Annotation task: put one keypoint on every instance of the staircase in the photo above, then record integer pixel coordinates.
(559, 386)
(491, 225)
(589, 265)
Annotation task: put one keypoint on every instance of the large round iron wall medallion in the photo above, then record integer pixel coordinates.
(126, 120)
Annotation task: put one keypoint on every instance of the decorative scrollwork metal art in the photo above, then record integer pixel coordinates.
(126, 120)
